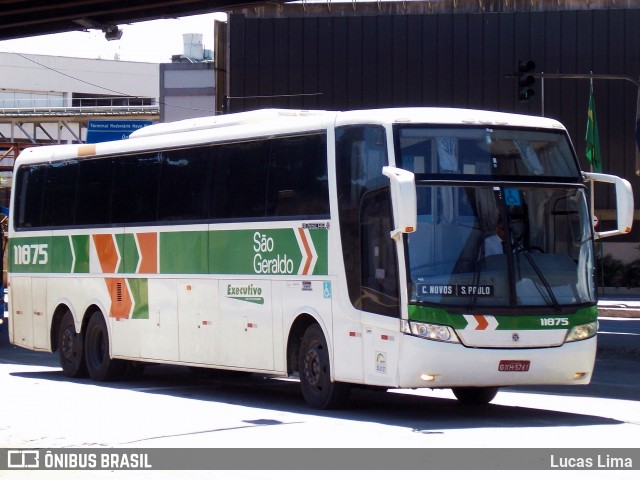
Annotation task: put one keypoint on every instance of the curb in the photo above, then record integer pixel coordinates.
(621, 312)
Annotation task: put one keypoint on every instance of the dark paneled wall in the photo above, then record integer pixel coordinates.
(454, 59)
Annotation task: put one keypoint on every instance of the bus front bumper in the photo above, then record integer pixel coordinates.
(429, 364)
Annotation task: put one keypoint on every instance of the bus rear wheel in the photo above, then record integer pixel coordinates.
(475, 395)
(315, 373)
(100, 365)
(71, 348)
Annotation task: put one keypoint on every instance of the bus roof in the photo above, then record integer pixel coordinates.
(426, 115)
(271, 122)
(253, 117)
(448, 116)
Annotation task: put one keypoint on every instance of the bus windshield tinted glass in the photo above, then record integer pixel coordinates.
(479, 246)
(485, 152)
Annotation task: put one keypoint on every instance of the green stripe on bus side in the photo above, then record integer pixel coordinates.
(30, 254)
(57, 254)
(241, 252)
(61, 260)
(505, 322)
(183, 252)
(254, 252)
(284, 251)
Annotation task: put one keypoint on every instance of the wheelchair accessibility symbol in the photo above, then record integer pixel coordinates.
(326, 289)
(512, 197)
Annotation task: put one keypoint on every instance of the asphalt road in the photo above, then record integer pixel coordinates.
(173, 408)
(618, 337)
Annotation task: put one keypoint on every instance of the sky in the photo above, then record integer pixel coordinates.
(154, 41)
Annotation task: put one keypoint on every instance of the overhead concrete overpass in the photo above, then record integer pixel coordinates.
(28, 18)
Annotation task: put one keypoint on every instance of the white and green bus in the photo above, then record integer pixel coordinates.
(394, 248)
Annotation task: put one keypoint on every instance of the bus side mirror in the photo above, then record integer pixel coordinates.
(624, 202)
(403, 199)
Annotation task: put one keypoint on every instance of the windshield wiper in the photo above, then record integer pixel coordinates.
(480, 256)
(520, 248)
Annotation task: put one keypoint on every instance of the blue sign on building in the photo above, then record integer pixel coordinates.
(108, 130)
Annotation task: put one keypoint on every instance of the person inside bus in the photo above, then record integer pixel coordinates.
(494, 244)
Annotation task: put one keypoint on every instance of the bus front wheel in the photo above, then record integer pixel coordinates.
(71, 348)
(315, 373)
(100, 365)
(475, 395)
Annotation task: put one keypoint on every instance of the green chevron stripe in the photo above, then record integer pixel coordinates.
(81, 250)
(140, 295)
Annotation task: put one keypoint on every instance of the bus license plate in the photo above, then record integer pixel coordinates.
(514, 365)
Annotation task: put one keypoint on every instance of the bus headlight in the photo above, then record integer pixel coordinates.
(582, 332)
(430, 331)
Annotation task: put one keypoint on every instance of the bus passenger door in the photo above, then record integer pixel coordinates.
(244, 329)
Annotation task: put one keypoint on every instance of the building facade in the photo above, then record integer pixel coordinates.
(48, 99)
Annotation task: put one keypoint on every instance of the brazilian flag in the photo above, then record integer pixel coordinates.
(592, 137)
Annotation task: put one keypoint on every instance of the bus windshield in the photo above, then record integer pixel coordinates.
(484, 152)
(501, 246)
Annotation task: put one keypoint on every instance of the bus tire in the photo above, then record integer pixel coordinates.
(475, 395)
(315, 373)
(100, 365)
(71, 348)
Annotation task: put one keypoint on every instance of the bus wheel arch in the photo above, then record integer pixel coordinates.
(68, 342)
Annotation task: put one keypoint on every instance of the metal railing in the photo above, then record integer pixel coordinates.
(102, 105)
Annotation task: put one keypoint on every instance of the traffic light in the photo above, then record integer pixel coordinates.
(526, 81)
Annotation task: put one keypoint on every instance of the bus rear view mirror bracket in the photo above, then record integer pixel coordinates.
(624, 202)
(403, 199)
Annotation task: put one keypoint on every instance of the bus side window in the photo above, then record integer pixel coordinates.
(298, 184)
(183, 185)
(239, 183)
(95, 180)
(28, 196)
(134, 198)
(59, 203)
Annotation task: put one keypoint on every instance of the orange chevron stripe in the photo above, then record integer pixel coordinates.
(107, 252)
(148, 243)
(305, 270)
(482, 322)
(121, 302)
